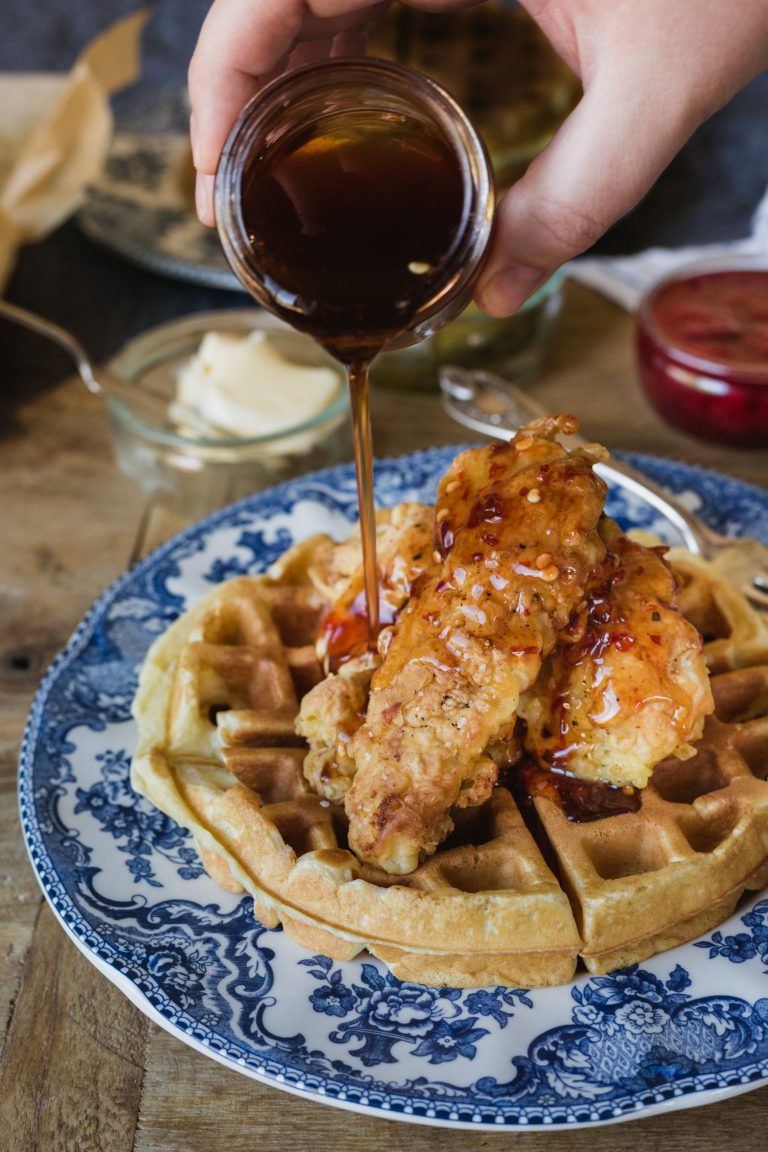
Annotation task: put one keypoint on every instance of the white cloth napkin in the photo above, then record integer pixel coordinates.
(624, 279)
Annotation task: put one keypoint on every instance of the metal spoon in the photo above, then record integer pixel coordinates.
(487, 404)
(148, 405)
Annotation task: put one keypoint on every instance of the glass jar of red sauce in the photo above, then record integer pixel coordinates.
(702, 350)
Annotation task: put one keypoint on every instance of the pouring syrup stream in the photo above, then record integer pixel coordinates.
(354, 200)
(363, 442)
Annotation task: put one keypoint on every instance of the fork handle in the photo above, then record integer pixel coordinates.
(59, 335)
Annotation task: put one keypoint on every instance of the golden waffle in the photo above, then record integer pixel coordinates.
(735, 636)
(217, 702)
(641, 882)
(216, 706)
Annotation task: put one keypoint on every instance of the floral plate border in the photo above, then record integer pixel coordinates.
(688, 1027)
(142, 207)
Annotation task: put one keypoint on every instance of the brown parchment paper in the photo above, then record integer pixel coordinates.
(55, 133)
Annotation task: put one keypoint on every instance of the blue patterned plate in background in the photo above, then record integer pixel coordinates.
(143, 208)
(685, 1028)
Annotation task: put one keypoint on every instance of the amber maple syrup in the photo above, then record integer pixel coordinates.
(356, 204)
(580, 800)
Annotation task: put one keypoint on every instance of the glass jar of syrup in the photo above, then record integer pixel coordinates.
(355, 200)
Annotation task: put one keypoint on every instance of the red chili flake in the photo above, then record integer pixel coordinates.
(445, 537)
(488, 510)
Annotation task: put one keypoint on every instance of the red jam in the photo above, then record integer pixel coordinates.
(702, 350)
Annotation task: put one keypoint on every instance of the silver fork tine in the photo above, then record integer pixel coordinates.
(757, 593)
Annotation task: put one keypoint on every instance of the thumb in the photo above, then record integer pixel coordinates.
(601, 162)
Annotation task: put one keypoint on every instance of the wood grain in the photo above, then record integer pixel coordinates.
(196, 1105)
(81, 1067)
(73, 1068)
(68, 523)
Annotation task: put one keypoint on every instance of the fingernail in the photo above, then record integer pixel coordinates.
(508, 288)
(203, 198)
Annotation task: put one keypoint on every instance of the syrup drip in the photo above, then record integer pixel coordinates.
(344, 631)
(580, 800)
(361, 428)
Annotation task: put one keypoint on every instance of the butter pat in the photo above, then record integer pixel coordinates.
(243, 386)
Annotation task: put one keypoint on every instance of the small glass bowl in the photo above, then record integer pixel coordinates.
(515, 347)
(193, 476)
(702, 350)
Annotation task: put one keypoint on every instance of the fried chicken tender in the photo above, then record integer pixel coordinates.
(330, 714)
(333, 710)
(518, 545)
(403, 549)
(626, 685)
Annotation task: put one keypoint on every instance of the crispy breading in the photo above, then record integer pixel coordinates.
(626, 686)
(330, 715)
(333, 711)
(518, 542)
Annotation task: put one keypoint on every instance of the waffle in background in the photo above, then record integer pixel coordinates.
(218, 697)
(496, 62)
(735, 636)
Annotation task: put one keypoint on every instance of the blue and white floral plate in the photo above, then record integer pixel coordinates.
(143, 208)
(686, 1028)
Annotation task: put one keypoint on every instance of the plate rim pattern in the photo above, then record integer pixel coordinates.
(384, 1100)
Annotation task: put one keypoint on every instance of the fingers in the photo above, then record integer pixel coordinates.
(352, 42)
(653, 72)
(239, 42)
(600, 163)
(243, 44)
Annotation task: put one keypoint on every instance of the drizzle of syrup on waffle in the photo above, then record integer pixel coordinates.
(344, 630)
(580, 800)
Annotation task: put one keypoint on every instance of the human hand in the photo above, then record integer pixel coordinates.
(651, 71)
(243, 44)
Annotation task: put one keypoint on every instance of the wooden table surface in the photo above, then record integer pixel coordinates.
(81, 1067)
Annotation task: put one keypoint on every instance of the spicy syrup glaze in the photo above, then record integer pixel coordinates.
(518, 529)
(581, 801)
(626, 685)
(482, 511)
(344, 630)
